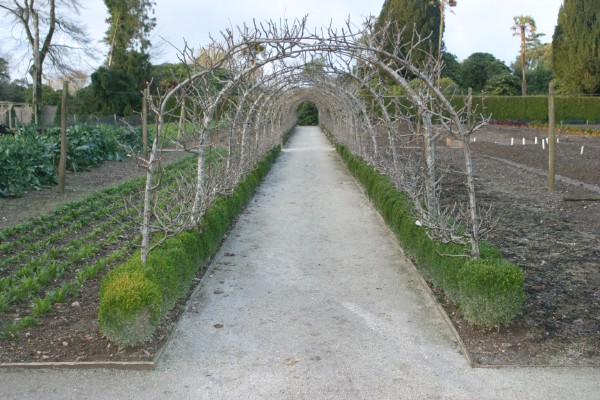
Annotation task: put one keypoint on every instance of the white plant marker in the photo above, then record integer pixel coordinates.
(581, 150)
(536, 140)
(512, 141)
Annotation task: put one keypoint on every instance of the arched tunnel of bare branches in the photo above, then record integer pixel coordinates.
(240, 95)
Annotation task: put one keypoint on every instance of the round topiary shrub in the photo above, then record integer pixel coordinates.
(130, 308)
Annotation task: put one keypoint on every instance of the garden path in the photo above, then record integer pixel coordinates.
(309, 297)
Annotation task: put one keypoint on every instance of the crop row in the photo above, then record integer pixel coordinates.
(48, 259)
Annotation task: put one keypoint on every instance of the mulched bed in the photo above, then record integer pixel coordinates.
(556, 242)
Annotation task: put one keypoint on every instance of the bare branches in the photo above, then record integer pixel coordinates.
(241, 93)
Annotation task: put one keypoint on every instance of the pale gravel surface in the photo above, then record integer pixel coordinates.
(310, 297)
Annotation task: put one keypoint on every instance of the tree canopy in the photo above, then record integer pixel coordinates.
(41, 22)
(130, 24)
(479, 68)
(576, 47)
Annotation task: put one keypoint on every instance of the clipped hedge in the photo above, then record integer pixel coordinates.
(568, 109)
(131, 293)
(489, 291)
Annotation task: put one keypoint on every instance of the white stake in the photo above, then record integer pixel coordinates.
(536, 140)
(582, 150)
(543, 145)
(557, 140)
(523, 141)
(512, 141)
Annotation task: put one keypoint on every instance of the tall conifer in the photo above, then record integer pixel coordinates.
(576, 47)
(422, 16)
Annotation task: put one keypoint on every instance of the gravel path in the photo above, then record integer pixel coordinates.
(310, 297)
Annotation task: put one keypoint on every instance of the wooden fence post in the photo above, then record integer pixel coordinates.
(62, 164)
(551, 137)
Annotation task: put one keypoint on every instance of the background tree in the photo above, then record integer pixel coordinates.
(423, 15)
(525, 29)
(129, 28)
(452, 68)
(308, 114)
(575, 47)
(504, 84)
(117, 86)
(40, 22)
(538, 67)
(479, 68)
(4, 74)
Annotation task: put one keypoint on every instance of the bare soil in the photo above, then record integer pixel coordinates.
(556, 242)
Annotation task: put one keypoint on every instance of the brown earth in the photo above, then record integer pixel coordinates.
(557, 243)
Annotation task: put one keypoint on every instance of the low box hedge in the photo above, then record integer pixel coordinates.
(489, 291)
(133, 296)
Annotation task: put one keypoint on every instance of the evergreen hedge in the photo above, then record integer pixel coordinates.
(568, 109)
(489, 291)
(134, 296)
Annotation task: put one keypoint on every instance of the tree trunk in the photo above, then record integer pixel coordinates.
(523, 45)
(62, 164)
(472, 199)
(199, 195)
(431, 177)
(149, 196)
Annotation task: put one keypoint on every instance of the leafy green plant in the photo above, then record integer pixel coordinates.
(11, 331)
(27, 322)
(41, 306)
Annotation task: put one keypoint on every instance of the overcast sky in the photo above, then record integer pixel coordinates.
(473, 26)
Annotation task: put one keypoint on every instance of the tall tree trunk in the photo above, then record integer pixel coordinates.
(523, 45)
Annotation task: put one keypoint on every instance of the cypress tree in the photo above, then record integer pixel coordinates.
(576, 47)
(422, 15)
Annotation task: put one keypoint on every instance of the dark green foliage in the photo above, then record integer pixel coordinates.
(535, 108)
(489, 291)
(307, 114)
(29, 160)
(452, 68)
(424, 16)
(575, 47)
(167, 275)
(504, 84)
(538, 81)
(479, 68)
(115, 91)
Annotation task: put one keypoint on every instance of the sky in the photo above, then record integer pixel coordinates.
(472, 26)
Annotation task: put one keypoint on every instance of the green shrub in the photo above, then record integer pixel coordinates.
(130, 307)
(491, 294)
